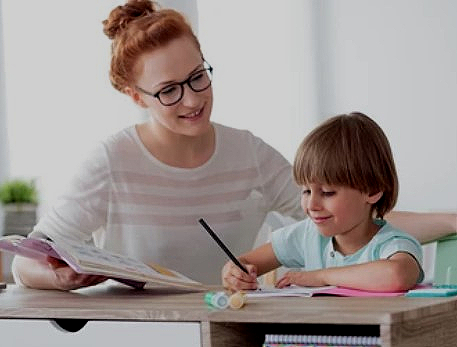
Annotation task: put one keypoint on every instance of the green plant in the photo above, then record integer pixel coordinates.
(18, 191)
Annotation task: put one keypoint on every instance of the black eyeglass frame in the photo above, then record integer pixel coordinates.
(181, 84)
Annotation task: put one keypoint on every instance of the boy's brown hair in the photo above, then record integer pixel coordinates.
(349, 150)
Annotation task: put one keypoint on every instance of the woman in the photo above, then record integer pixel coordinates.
(143, 190)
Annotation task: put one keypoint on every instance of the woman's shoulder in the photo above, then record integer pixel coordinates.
(124, 143)
(121, 138)
(118, 145)
(231, 132)
(242, 138)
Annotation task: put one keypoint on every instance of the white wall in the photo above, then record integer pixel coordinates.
(4, 161)
(4, 155)
(262, 52)
(280, 68)
(396, 60)
(60, 101)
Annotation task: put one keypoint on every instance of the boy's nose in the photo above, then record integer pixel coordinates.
(313, 203)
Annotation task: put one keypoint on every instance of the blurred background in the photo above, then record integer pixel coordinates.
(280, 68)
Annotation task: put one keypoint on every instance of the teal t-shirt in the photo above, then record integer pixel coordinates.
(300, 245)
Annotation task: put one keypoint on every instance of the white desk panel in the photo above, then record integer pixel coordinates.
(39, 333)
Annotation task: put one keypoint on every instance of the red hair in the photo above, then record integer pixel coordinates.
(138, 27)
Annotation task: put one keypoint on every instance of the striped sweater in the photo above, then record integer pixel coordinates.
(129, 202)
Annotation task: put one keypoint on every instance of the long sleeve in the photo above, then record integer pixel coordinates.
(281, 192)
(83, 208)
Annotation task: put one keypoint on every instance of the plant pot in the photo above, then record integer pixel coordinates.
(19, 219)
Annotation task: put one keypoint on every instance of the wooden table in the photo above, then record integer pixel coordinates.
(399, 321)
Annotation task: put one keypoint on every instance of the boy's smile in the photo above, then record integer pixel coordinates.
(339, 211)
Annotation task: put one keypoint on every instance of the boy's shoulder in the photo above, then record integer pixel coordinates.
(388, 232)
(302, 225)
(304, 229)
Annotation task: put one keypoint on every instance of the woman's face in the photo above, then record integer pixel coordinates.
(161, 69)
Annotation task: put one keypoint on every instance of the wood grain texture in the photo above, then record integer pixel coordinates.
(400, 321)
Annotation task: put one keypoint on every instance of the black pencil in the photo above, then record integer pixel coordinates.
(221, 244)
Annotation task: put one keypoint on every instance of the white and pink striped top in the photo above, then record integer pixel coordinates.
(132, 203)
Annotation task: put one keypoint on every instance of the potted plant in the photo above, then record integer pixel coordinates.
(19, 199)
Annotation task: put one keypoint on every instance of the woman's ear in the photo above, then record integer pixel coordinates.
(136, 97)
(374, 198)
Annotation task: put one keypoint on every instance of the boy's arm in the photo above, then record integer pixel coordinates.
(400, 272)
(262, 257)
(257, 262)
(424, 226)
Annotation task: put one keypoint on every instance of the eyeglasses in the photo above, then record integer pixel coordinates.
(173, 93)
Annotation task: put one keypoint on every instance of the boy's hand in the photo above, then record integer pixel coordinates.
(67, 279)
(301, 278)
(234, 278)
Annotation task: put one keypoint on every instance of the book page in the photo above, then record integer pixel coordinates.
(292, 290)
(27, 247)
(86, 258)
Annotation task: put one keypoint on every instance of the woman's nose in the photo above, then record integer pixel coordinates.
(189, 98)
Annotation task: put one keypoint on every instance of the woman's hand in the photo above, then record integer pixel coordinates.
(234, 278)
(67, 279)
(301, 278)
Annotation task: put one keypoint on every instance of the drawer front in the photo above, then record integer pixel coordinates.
(38, 333)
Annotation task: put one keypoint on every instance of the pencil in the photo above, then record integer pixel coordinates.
(221, 244)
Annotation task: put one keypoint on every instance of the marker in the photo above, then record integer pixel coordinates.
(217, 299)
(237, 300)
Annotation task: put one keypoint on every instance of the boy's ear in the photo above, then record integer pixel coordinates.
(374, 198)
(136, 97)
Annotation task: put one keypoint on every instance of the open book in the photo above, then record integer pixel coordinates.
(88, 259)
(294, 290)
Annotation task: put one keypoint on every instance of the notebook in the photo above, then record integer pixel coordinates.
(278, 340)
(294, 290)
(435, 291)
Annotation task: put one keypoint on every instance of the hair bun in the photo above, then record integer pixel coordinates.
(122, 15)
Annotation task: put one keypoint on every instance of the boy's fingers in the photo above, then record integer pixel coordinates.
(252, 269)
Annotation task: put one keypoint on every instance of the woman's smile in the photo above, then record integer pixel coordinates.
(193, 116)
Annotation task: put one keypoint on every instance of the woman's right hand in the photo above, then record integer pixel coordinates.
(234, 278)
(67, 279)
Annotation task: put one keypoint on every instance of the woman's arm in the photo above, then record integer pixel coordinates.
(399, 272)
(53, 274)
(424, 226)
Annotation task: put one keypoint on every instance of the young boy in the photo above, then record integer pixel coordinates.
(346, 169)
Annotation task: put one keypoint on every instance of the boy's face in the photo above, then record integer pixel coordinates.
(337, 210)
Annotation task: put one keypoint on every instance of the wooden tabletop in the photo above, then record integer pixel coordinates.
(123, 303)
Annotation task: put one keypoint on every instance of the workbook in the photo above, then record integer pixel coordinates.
(277, 340)
(294, 290)
(88, 259)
